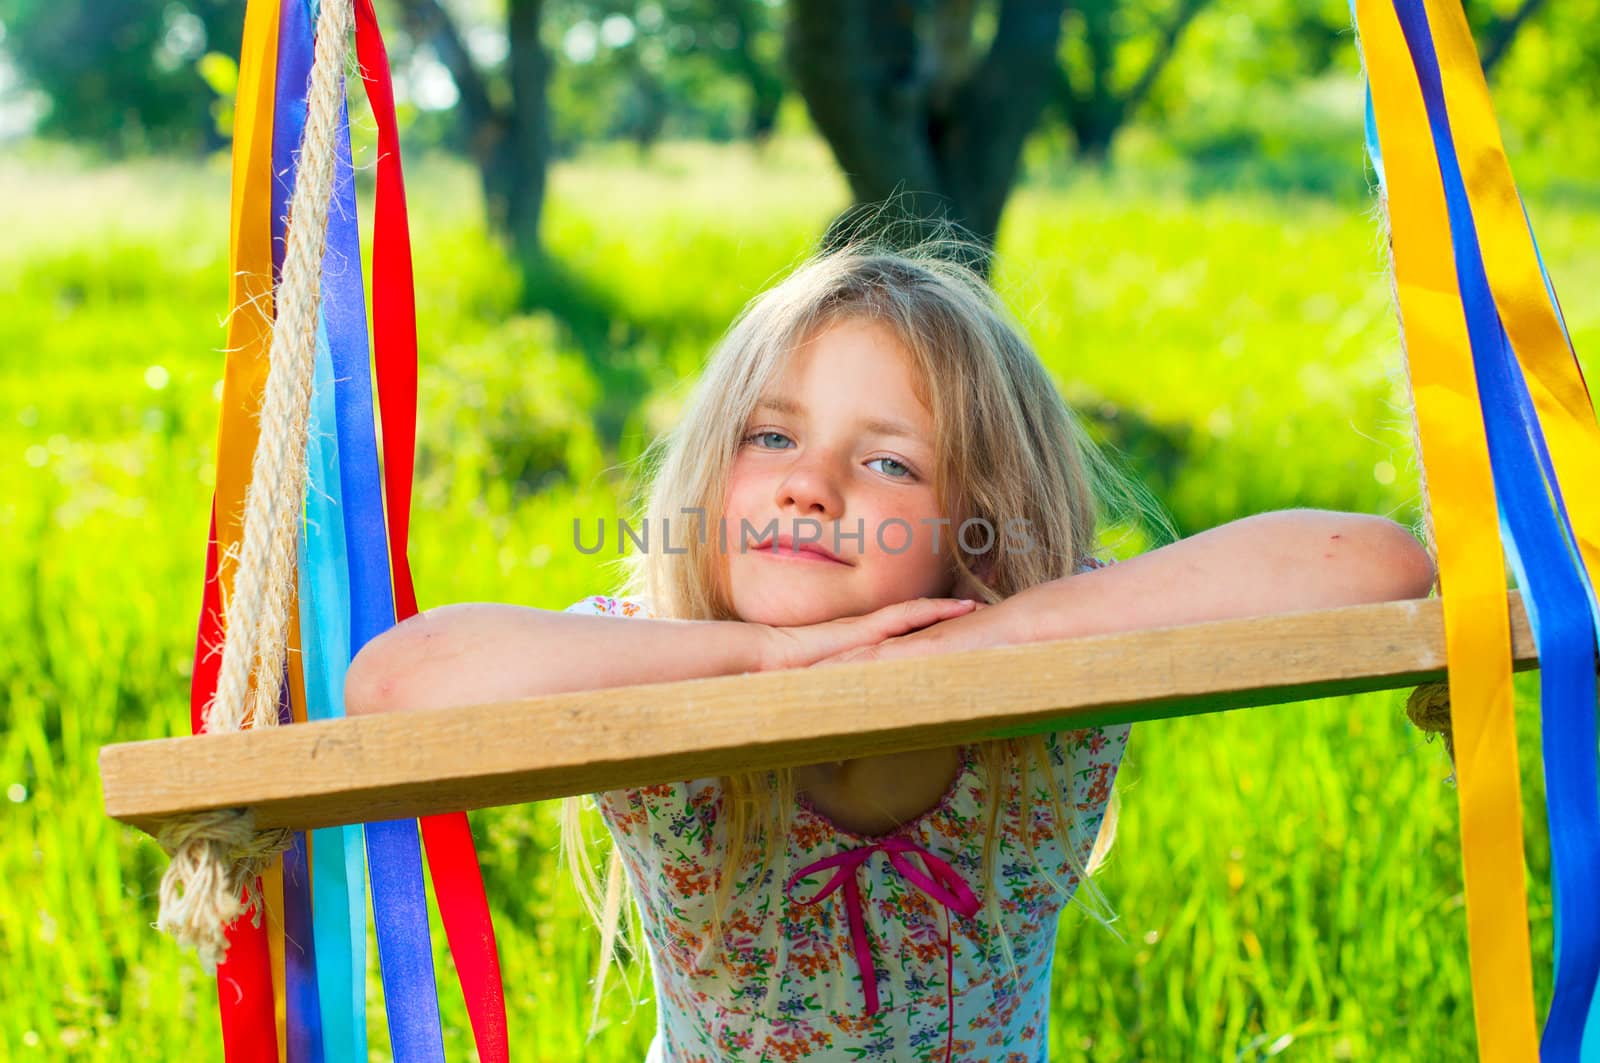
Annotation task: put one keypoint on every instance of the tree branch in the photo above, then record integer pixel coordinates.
(427, 20)
(529, 66)
(1067, 97)
(980, 142)
(947, 48)
(855, 65)
(1502, 31)
(1170, 36)
(766, 87)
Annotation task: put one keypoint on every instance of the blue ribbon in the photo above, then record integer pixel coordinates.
(1558, 595)
(303, 1009)
(394, 850)
(347, 555)
(338, 862)
(303, 1019)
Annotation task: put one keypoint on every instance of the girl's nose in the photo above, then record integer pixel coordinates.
(811, 488)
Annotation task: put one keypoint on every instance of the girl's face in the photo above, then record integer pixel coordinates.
(839, 452)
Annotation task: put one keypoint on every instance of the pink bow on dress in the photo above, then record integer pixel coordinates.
(939, 883)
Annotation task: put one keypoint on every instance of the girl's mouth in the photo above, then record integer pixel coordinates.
(806, 552)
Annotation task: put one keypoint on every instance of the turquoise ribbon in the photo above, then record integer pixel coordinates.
(338, 860)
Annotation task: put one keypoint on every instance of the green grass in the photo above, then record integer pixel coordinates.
(1288, 880)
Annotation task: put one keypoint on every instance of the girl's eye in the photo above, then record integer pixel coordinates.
(905, 472)
(753, 436)
(898, 476)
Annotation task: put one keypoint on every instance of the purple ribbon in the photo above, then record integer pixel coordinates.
(939, 883)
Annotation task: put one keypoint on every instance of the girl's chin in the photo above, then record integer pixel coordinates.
(790, 609)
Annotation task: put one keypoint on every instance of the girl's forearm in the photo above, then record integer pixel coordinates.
(1280, 562)
(478, 653)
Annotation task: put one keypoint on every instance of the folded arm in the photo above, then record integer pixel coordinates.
(475, 653)
(1281, 562)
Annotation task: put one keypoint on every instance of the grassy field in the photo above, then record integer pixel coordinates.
(1288, 880)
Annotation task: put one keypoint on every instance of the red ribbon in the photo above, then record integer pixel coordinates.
(452, 857)
(939, 883)
(244, 977)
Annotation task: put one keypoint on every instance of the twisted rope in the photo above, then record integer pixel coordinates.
(1428, 708)
(217, 856)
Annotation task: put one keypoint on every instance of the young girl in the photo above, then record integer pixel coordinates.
(875, 464)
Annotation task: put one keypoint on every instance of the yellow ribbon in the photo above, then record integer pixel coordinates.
(249, 342)
(1472, 577)
(250, 293)
(1566, 412)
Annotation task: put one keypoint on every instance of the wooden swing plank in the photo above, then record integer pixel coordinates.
(409, 764)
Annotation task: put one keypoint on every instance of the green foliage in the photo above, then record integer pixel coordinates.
(1267, 94)
(131, 75)
(641, 70)
(1284, 877)
(1245, 100)
(220, 72)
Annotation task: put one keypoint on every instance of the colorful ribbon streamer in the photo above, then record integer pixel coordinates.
(293, 990)
(1451, 315)
(294, 951)
(1541, 550)
(338, 865)
(1522, 291)
(452, 857)
(244, 979)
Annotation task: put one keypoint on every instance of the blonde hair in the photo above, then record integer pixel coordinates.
(994, 409)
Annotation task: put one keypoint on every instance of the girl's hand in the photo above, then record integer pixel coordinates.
(806, 644)
(980, 629)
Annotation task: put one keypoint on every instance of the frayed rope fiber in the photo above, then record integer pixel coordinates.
(1428, 708)
(218, 856)
(217, 859)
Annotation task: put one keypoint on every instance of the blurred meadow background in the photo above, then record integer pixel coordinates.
(1190, 239)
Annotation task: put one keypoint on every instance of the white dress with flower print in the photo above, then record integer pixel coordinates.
(790, 985)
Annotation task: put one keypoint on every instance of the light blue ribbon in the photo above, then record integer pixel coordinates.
(338, 862)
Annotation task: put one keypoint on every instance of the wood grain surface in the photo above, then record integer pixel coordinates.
(418, 763)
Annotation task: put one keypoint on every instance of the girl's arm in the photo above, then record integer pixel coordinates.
(477, 653)
(1281, 562)
(480, 652)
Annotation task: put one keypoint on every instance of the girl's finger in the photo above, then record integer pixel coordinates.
(915, 614)
(923, 612)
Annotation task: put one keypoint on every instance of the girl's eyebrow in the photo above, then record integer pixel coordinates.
(872, 424)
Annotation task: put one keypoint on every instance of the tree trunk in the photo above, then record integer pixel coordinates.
(509, 144)
(909, 114)
(766, 96)
(1093, 134)
(528, 142)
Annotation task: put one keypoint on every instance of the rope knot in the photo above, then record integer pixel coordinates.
(1428, 708)
(218, 857)
(214, 877)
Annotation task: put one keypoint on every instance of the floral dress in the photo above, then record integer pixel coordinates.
(861, 947)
